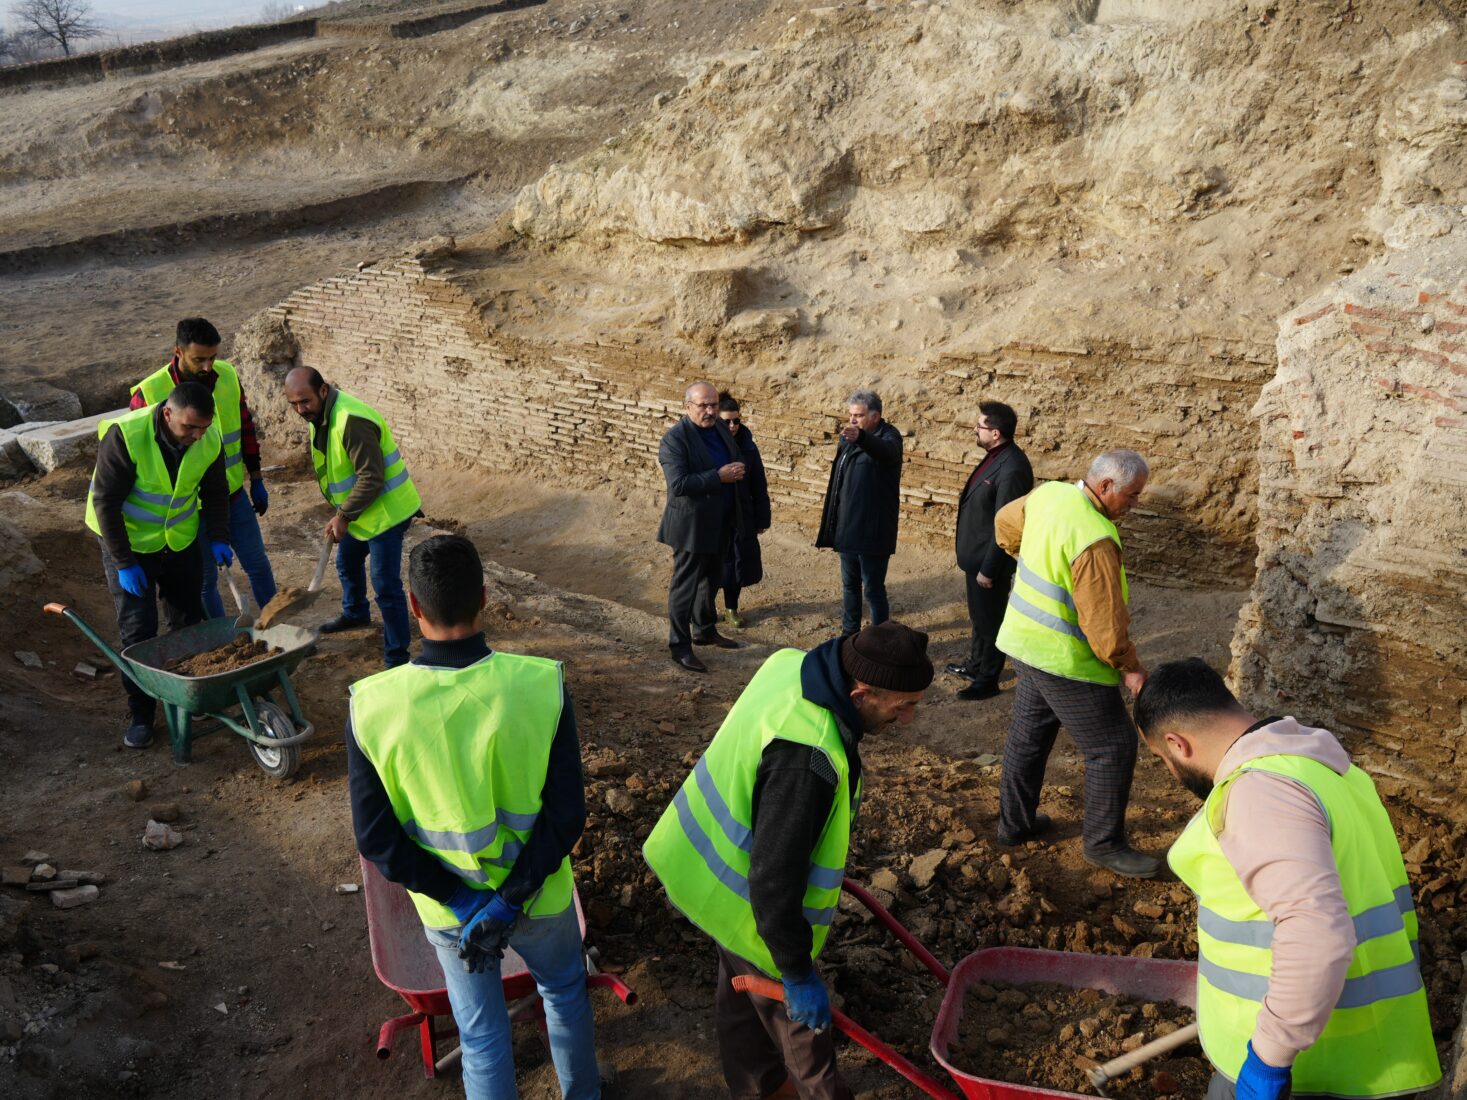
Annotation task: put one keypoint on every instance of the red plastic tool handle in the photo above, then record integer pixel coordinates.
(909, 941)
(749, 983)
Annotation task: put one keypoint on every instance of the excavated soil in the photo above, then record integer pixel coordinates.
(240, 652)
(284, 600)
(1035, 1034)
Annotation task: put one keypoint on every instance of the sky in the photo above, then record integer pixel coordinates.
(149, 18)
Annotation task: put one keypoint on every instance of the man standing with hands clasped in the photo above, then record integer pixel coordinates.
(700, 462)
(1308, 972)
(1002, 476)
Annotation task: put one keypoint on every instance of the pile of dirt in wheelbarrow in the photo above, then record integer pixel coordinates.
(1035, 1034)
(242, 651)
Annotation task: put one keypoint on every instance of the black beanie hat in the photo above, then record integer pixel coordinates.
(888, 655)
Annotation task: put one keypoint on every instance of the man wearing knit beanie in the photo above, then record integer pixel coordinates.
(753, 847)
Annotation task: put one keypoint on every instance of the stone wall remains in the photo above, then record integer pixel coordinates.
(407, 338)
(1358, 619)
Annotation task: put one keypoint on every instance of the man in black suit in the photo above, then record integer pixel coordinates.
(699, 459)
(1002, 476)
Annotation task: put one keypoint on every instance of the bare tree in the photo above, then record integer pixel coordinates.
(277, 12)
(61, 21)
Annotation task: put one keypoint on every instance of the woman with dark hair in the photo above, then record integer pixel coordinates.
(743, 566)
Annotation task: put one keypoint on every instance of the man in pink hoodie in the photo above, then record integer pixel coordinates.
(1308, 966)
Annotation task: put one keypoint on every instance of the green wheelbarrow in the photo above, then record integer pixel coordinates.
(274, 731)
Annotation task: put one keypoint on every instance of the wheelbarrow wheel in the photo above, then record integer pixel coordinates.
(280, 762)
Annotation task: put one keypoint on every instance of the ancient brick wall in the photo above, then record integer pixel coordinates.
(1357, 617)
(410, 339)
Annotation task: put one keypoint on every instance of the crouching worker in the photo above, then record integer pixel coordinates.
(753, 848)
(1307, 971)
(465, 774)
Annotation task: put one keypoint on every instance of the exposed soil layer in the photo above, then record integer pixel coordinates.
(1035, 1034)
(240, 652)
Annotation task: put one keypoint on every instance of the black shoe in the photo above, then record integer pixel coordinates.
(715, 638)
(689, 662)
(1126, 862)
(959, 670)
(139, 735)
(1041, 826)
(979, 689)
(342, 622)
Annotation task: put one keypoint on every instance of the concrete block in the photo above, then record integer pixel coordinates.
(13, 461)
(33, 401)
(64, 444)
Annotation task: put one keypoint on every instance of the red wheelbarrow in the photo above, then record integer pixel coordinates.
(407, 964)
(1150, 979)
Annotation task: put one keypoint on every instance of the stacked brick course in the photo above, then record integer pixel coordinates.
(410, 339)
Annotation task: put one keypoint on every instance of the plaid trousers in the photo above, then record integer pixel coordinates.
(1097, 719)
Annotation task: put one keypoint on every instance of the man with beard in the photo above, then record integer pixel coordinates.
(753, 848)
(1307, 973)
(364, 478)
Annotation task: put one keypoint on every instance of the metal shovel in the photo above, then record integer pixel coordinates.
(289, 600)
(1101, 1075)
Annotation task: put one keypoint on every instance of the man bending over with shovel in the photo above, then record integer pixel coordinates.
(465, 776)
(753, 848)
(1307, 970)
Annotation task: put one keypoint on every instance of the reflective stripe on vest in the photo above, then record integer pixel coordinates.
(158, 513)
(1042, 625)
(337, 477)
(462, 755)
(157, 386)
(1378, 1039)
(701, 846)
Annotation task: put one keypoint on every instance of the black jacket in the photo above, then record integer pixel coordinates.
(116, 473)
(1008, 477)
(382, 839)
(744, 564)
(693, 519)
(863, 499)
(793, 791)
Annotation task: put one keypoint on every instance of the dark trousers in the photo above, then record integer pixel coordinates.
(1096, 718)
(695, 582)
(857, 571)
(175, 577)
(731, 596)
(985, 611)
(385, 553)
(760, 1047)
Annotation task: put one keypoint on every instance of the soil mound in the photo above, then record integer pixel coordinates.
(240, 652)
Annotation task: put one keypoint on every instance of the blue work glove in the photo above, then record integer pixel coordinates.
(259, 495)
(467, 901)
(806, 1002)
(487, 933)
(133, 580)
(223, 555)
(1258, 1080)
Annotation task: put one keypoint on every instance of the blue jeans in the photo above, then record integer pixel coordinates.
(385, 550)
(249, 551)
(856, 570)
(551, 948)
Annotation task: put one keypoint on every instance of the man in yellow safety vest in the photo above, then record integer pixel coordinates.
(364, 478)
(158, 468)
(195, 359)
(465, 776)
(753, 848)
(1308, 969)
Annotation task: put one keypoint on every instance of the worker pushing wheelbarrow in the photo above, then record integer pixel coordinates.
(255, 701)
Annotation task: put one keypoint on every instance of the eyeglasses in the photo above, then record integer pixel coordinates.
(732, 420)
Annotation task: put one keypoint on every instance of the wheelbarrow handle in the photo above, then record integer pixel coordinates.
(894, 926)
(751, 983)
(95, 638)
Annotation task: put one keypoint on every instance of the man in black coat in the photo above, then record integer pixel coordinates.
(861, 507)
(700, 461)
(1002, 476)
